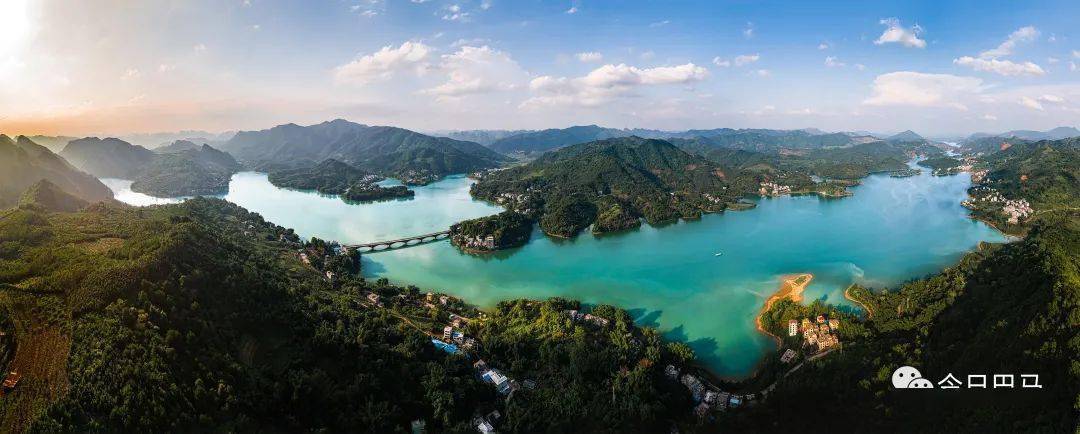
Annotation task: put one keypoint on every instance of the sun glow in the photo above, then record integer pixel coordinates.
(15, 22)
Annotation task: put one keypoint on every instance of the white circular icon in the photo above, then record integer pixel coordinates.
(904, 376)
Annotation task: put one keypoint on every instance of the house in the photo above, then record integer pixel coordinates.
(834, 324)
(443, 300)
(330, 276)
(697, 389)
(458, 337)
(602, 322)
(788, 355)
(468, 344)
(671, 371)
(494, 416)
(792, 328)
(710, 396)
(805, 324)
(447, 333)
(483, 426)
(821, 319)
(373, 298)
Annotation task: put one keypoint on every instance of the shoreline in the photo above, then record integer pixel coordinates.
(863, 306)
(791, 288)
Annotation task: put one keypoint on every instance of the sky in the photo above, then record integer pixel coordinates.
(112, 67)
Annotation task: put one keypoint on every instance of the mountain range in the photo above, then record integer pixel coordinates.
(23, 163)
(107, 158)
(391, 151)
(1053, 134)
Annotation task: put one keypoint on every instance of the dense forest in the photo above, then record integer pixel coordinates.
(197, 171)
(501, 231)
(414, 158)
(24, 163)
(335, 177)
(202, 316)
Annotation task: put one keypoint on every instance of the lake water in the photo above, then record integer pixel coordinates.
(892, 230)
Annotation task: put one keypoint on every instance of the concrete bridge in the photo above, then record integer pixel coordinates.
(398, 243)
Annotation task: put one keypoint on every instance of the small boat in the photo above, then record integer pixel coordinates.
(719, 254)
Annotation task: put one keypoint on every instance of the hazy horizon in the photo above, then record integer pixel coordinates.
(112, 69)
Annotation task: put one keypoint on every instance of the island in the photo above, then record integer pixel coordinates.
(487, 234)
(335, 177)
(188, 172)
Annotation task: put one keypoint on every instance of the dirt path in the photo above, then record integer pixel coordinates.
(869, 312)
(792, 287)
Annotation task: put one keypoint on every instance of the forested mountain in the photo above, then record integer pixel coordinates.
(47, 196)
(1053, 134)
(618, 180)
(1011, 309)
(411, 156)
(762, 140)
(554, 138)
(23, 163)
(905, 136)
(483, 137)
(201, 317)
(54, 143)
(107, 158)
(176, 146)
(188, 172)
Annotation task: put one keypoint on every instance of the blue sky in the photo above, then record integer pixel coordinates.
(116, 66)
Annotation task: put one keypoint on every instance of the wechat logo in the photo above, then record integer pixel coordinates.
(907, 377)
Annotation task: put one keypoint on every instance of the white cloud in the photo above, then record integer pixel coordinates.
(474, 42)
(860, 66)
(823, 46)
(660, 23)
(898, 34)
(485, 5)
(1030, 103)
(908, 88)
(383, 64)
(832, 62)
(1072, 66)
(1023, 34)
(1076, 54)
(199, 48)
(607, 82)
(723, 63)
(572, 10)
(748, 32)
(989, 117)
(1052, 99)
(589, 57)
(998, 66)
(647, 55)
(474, 70)
(369, 13)
(131, 74)
(762, 73)
(165, 67)
(455, 13)
(746, 59)
(1052, 60)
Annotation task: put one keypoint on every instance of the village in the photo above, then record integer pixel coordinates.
(774, 189)
(819, 335)
(1014, 210)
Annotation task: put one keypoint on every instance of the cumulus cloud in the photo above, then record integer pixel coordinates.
(572, 10)
(895, 33)
(1052, 99)
(748, 32)
(723, 63)
(589, 56)
(383, 64)
(908, 88)
(606, 83)
(746, 59)
(823, 46)
(833, 62)
(1023, 34)
(474, 70)
(762, 73)
(999, 66)
(455, 13)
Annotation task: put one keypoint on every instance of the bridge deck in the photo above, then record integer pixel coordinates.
(389, 243)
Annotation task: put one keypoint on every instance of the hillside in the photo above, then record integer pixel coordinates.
(191, 172)
(905, 136)
(765, 141)
(177, 146)
(23, 163)
(624, 178)
(542, 141)
(107, 158)
(1011, 309)
(335, 177)
(54, 143)
(201, 317)
(412, 157)
(47, 196)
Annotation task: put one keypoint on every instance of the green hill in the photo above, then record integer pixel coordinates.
(567, 189)
(412, 157)
(107, 158)
(47, 196)
(190, 172)
(201, 317)
(23, 163)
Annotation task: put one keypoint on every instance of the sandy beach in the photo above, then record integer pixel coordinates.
(792, 287)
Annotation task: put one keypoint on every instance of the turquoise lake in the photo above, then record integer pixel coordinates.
(891, 230)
